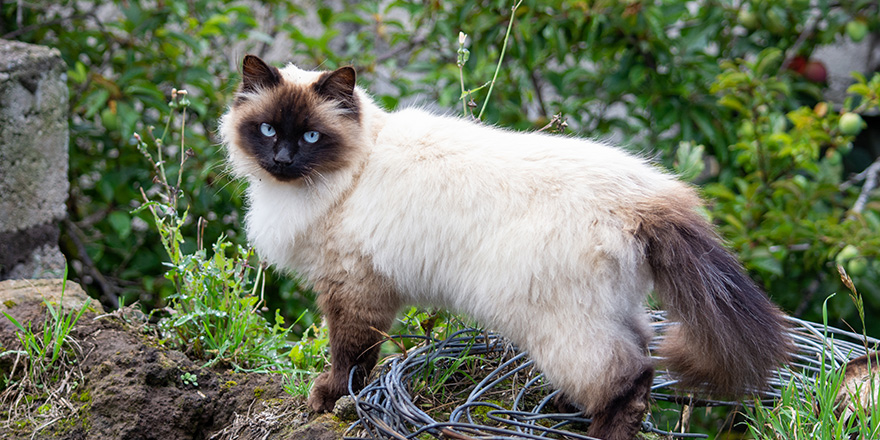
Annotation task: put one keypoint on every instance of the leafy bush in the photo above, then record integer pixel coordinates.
(782, 202)
(718, 80)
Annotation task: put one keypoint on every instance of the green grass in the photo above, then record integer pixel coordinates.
(43, 350)
(814, 407)
(44, 372)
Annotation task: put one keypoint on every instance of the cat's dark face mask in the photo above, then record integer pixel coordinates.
(296, 131)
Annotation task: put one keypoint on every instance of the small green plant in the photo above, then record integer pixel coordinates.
(440, 371)
(298, 382)
(189, 379)
(216, 310)
(310, 352)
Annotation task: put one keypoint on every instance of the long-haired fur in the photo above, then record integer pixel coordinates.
(552, 240)
(721, 342)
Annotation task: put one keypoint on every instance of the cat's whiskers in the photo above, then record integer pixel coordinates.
(323, 178)
(310, 183)
(238, 189)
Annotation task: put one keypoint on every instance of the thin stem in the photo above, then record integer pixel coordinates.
(500, 58)
(182, 155)
(463, 98)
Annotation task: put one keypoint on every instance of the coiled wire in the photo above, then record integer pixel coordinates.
(511, 400)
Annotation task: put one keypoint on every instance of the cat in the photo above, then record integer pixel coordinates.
(554, 241)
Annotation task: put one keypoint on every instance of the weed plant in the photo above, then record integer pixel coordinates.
(216, 311)
(44, 371)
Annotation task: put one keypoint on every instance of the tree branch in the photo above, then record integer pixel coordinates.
(871, 175)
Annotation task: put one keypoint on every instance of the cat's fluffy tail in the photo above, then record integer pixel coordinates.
(730, 336)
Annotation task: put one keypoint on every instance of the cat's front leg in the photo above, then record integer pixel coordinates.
(357, 319)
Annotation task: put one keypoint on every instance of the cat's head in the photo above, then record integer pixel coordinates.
(290, 124)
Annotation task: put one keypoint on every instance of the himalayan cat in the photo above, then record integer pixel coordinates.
(554, 241)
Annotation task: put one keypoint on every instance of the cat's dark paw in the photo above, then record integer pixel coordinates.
(324, 394)
(564, 404)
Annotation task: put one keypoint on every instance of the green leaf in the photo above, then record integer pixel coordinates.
(769, 61)
(734, 103)
(762, 259)
(859, 89)
(121, 223)
(689, 160)
(14, 322)
(96, 101)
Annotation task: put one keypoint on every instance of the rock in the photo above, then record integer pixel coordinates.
(17, 292)
(33, 159)
(345, 409)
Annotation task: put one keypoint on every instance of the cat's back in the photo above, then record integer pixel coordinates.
(416, 143)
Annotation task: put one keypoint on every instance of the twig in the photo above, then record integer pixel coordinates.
(415, 42)
(557, 124)
(388, 338)
(456, 435)
(44, 425)
(533, 75)
(856, 178)
(870, 183)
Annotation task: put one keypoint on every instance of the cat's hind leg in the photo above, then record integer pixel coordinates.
(603, 367)
(621, 418)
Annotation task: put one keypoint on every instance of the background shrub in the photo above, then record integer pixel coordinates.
(716, 90)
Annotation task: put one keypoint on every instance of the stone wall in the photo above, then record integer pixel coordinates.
(33, 159)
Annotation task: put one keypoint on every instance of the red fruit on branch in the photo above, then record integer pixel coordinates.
(816, 72)
(797, 64)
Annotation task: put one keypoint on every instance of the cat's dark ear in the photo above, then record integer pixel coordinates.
(338, 85)
(256, 74)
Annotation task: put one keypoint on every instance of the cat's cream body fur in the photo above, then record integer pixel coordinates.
(536, 236)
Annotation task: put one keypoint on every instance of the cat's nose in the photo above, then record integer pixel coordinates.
(283, 156)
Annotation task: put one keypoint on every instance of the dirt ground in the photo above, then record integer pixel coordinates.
(128, 386)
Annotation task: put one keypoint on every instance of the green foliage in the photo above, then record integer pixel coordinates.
(216, 308)
(124, 57)
(782, 202)
(443, 373)
(310, 352)
(298, 382)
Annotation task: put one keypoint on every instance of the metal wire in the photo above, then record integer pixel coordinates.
(492, 371)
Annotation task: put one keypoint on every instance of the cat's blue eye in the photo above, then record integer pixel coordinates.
(267, 130)
(311, 136)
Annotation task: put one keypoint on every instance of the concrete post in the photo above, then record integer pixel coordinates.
(33, 159)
